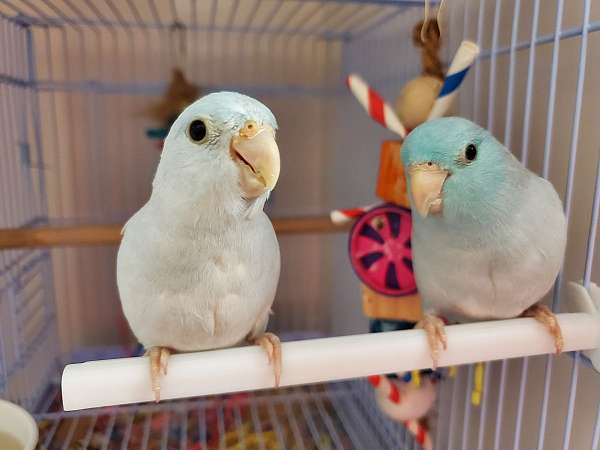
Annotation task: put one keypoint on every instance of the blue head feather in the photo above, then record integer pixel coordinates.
(476, 191)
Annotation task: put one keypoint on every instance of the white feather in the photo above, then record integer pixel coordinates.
(198, 265)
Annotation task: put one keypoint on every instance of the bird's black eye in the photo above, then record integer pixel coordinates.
(197, 130)
(470, 152)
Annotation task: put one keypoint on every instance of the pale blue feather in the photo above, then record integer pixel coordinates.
(496, 247)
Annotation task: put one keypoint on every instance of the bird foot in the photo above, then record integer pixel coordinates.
(159, 360)
(271, 344)
(436, 335)
(546, 317)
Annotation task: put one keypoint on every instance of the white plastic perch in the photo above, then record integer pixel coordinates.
(127, 380)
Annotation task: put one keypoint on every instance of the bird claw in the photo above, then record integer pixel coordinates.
(159, 359)
(546, 317)
(271, 344)
(436, 336)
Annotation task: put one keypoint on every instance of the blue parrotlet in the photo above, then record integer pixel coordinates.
(489, 235)
(198, 265)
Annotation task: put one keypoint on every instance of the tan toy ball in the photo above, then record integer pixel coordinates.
(415, 101)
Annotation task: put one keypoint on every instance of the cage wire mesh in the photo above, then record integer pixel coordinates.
(75, 80)
(343, 416)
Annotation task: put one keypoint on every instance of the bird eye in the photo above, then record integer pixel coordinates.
(470, 152)
(197, 130)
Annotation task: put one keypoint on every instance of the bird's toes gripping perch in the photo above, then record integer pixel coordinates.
(159, 360)
(546, 317)
(272, 345)
(436, 335)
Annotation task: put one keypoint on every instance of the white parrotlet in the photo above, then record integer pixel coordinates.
(488, 235)
(199, 263)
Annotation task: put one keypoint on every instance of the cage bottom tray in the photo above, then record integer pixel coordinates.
(333, 416)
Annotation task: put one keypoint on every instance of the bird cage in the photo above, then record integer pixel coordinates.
(77, 80)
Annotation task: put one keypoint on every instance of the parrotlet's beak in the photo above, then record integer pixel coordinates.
(426, 183)
(256, 152)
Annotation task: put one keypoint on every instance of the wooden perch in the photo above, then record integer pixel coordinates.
(111, 234)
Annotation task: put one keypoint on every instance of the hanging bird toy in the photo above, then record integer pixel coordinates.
(179, 95)
(380, 239)
(379, 246)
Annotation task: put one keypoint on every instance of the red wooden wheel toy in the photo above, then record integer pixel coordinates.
(380, 250)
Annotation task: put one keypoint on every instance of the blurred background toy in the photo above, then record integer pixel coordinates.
(380, 240)
(179, 94)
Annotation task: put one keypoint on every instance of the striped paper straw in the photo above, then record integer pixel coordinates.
(465, 55)
(343, 216)
(374, 104)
